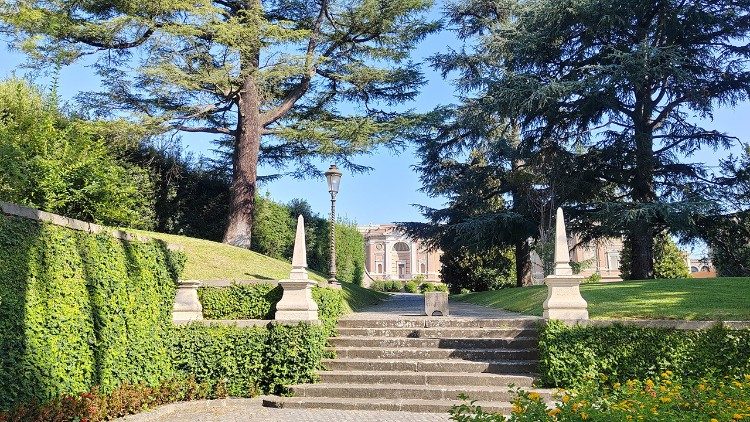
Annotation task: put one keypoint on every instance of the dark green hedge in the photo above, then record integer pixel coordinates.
(570, 356)
(249, 361)
(258, 301)
(79, 310)
(251, 301)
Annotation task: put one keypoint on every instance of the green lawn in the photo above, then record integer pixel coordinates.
(689, 299)
(207, 260)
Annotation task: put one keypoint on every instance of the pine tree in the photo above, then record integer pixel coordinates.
(271, 76)
(618, 80)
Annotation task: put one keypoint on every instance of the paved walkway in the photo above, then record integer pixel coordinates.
(251, 410)
(412, 305)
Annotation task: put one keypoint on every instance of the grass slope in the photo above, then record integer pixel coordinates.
(207, 260)
(690, 299)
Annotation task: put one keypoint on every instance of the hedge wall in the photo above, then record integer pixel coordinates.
(81, 311)
(78, 310)
(258, 301)
(570, 356)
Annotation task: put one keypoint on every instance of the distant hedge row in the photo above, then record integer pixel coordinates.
(79, 311)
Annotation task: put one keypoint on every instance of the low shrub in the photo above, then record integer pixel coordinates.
(221, 354)
(387, 286)
(411, 287)
(571, 356)
(593, 278)
(433, 287)
(248, 301)
(124, 400)
(258, 301)
(653, 399)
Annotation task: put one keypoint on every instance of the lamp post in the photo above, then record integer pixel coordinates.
(333, 175)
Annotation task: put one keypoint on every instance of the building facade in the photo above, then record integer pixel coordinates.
(392, 255)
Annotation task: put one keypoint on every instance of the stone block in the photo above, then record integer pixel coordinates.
(296, 301)
(436, 303)
(564, 301)
(187, 306)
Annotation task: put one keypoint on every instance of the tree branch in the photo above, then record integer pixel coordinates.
(295, 94)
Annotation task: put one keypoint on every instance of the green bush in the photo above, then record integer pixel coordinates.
(433, 287)
(593, 278)
(251, 301)
(258, 301)
(411, 287)
(59, 164)
(387, 286)
(79, 310)
(571, 356)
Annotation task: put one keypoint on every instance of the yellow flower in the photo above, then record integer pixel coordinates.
(516, 408)
(714, 420)
(584, 415)
(554, 412)
(665, 399)
(702, 387)
(617, 385)
(534, 396)
(566, 398)
(736, 416)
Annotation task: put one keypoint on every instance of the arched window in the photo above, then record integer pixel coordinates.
(705, 268)
(401, 247)
(693, 269)
(380, 268)
(422, 268)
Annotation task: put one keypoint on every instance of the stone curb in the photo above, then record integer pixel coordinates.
(73, 224)
(661, 323)
(244, 323)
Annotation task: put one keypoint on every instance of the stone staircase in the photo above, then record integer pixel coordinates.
(422, 364)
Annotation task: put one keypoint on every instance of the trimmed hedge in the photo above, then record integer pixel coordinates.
(572, 356)
(84, 313)
(250, 301)
(79, 310)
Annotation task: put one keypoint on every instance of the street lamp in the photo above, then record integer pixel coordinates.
(333, 175)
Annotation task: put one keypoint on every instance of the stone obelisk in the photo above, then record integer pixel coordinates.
(564, 300)
(296, 302)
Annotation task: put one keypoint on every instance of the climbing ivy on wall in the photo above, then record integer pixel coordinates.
(78, 310)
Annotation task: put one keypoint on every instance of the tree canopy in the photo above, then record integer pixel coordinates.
(284, 81)
(613, 91)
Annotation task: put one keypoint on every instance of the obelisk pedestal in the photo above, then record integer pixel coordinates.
(564, 300)
(296, 302)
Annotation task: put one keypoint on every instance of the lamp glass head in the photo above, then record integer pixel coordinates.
(333, 175)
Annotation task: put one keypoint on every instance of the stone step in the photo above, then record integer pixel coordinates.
(403, 405)
(439, 333)
(521, 367)
(399, 391)
(434, 353)
(452, 343)
(429, 322)
(425, 378)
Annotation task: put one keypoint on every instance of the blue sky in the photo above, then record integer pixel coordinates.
(386, 193)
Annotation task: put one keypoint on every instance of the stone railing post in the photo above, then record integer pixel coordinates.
(187, 307)
(296, 302)
(564, 300)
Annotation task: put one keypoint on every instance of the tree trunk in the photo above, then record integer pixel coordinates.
(245, 166)
(642, 232)
(523, 264)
